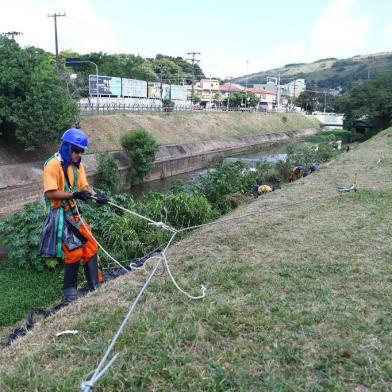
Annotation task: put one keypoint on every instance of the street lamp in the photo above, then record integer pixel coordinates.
(70, 62)
(228, 98)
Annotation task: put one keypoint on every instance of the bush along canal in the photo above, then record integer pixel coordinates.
(196, 200)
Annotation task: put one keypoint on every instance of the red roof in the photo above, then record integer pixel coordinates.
(256, 90)
(230, 87)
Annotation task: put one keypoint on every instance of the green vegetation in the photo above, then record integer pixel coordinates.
(22, 289)
(141, 148)
(108, 175)
(176, 70)
(324, 137)
(217, 193)
(20, 232)
(330, 72)
(368, 106)
(34, 108)
(240, 99)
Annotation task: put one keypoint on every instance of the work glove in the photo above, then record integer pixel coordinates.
(82, 195)
(100, 198)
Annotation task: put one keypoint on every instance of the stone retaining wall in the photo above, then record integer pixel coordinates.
(22, 183)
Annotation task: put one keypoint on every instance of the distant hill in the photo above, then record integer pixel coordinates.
(329, 72)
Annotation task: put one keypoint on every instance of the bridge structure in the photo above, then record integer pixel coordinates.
(330, 120)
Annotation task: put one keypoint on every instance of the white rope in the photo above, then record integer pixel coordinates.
(253, 213)
(203, 288)
(87, 386)
(96, 241)
(143, 267)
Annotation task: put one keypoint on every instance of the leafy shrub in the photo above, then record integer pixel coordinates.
(168, 105)
(20, 232)
(324, 153)
(180, 209)
(177, 185)
(119, 235)
(108, 175)
(284, 119)
(283, 169)
(141, 147)
(227, 178)
(343, 135)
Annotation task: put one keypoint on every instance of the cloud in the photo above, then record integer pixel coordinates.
(338, 32)
(80, 30)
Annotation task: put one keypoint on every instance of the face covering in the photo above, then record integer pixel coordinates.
(65, 152)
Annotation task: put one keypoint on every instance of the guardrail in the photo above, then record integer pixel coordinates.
(94, 109)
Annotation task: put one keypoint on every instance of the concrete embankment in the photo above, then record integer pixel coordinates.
(22, 183)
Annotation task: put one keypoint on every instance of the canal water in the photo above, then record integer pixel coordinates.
(270, 156)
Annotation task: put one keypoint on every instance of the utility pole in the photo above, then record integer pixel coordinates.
(246, 84)
(193, 60)
(278, 92)
(228, 98)
(210, 93)
(293, 100)
(12, 34)
(161, 76)
(325, 101)
(54, 16)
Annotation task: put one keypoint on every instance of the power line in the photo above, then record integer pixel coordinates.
(55, 38)
(193, 60)
(12, 34)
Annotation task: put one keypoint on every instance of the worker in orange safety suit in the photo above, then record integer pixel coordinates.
(65, 180)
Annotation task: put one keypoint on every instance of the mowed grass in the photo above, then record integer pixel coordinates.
(298, 300)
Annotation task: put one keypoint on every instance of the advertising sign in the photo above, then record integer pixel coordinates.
(107, 85)
(165, 91)
(154, 90)
(178, 92)
(134, 88)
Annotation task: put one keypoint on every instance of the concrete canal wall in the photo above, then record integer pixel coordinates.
(22, 183)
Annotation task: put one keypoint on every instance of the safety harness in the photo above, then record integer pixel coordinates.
(71, 210)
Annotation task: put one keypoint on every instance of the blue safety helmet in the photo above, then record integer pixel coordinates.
(72, 137)
(76, 137)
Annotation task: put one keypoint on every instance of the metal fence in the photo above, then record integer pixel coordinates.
(111, 108)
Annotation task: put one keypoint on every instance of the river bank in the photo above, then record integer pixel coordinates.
(22, 183)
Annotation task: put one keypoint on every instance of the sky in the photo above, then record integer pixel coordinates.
(233, 37)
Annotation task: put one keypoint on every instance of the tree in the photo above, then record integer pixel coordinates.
(368, 105)
(141, 148)
(307, 100)
(239, 98)
(34, 108)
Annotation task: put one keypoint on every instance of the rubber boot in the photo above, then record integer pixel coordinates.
(91, 272)
(70, 291)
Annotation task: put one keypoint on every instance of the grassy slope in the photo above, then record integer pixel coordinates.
(104, 131)
(298, 299)
(169, 128)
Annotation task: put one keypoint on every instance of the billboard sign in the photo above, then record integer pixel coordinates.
(154, 90)
(166, 91)
(134, 88)
(178, 92)
(107, 85)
